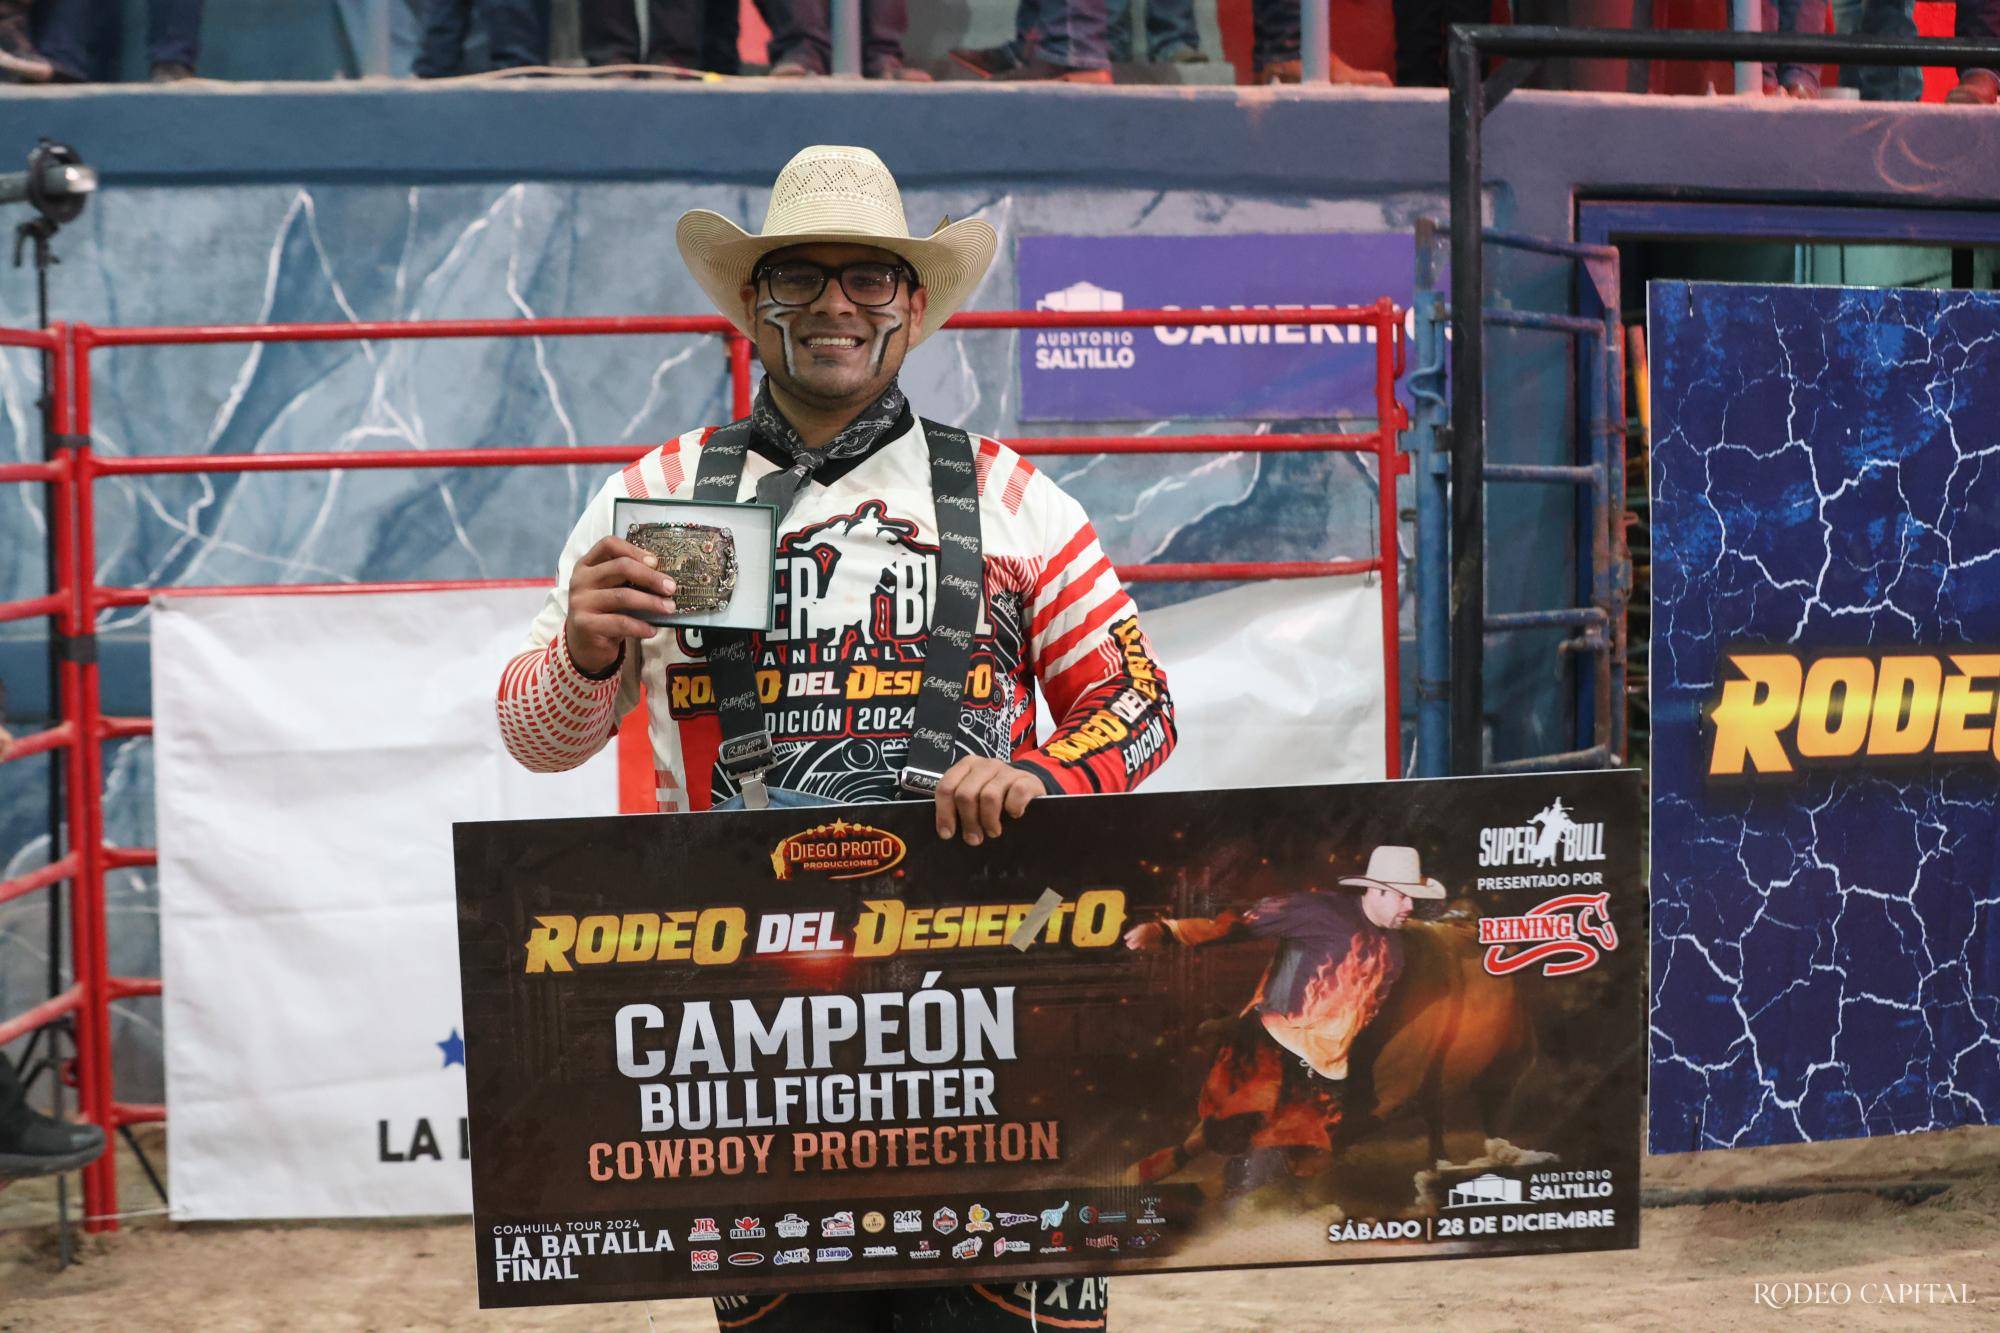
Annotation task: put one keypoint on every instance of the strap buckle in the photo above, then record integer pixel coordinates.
(748, 759)
(919, 781)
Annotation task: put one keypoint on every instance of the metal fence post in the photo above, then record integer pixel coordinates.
(1430, 472)
(1316, 42)
(1468, 409)
(1748, 16)
(847, 38)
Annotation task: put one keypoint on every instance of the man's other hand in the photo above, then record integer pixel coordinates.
(609, 589)
(1146, 935)
(976, 792)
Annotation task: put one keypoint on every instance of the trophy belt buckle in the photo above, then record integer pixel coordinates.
(699, 557)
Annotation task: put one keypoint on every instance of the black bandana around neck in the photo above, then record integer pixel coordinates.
(856, 438)
(853, 443)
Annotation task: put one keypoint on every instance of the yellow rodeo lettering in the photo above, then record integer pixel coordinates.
(1786, 710)
(713, 936)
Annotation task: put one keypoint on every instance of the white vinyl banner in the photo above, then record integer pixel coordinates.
(1274, 684)
(311, 754)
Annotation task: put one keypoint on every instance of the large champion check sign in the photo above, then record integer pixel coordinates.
(775, 1050)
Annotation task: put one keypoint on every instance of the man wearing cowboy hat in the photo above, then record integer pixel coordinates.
(928, 582)
(1279, 1086)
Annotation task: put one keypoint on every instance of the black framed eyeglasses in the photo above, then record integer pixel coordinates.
(800, 281)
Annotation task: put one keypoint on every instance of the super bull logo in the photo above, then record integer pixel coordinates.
(1551, 838)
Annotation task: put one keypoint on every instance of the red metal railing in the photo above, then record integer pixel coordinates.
(78, 600)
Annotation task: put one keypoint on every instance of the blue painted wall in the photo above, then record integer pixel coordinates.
(1826, 949)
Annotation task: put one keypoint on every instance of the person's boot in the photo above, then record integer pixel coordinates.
(35, 1145)
(1981, 87)
(172, 71)
(1338, 71)
(1801, 85)
(896, 71)
(19, 60)
(1037, 70)
(990, 62)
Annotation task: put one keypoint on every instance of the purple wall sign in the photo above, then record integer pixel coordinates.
(1265, 373)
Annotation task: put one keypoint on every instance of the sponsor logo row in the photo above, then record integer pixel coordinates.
(971, 1247)
(979, 1224)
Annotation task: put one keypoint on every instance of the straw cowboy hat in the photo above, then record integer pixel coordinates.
(829, 193)
(1397, 868)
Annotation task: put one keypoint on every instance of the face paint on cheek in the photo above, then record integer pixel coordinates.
(781, 318)
(885, 329)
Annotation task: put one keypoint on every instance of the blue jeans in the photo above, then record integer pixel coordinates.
(80, 37)
(1880, 18)
(1072, 33)
(1275, 31)
(517, 34)
(1170, 29)
(804, 33)
(780, 800)
(1796, 16)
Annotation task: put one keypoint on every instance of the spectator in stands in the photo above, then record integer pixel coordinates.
(1797, 16)
(517, 34)
(1420, 32)
(722, 33)
(67, 29)
(1055, 41)
(802, 40)
(1880, 18)
(992, 61)
(1978, 20)
(1172, 37)
(19, 60)
(609, 30)
(1275, 49)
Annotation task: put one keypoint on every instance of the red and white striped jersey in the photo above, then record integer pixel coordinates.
(838, 673)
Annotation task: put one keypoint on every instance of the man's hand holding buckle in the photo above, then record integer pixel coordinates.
(608, 589)
(976, 792)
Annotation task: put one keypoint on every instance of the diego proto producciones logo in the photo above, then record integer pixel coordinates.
(839, 850)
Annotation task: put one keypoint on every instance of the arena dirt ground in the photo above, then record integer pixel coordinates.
(1698, 1269)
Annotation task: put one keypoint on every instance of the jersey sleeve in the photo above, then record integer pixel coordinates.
(1197, 930)
(1114, 720)
(552, 716)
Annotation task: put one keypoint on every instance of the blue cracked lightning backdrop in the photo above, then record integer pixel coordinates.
(1826, 954)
